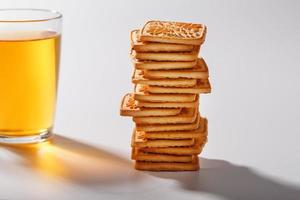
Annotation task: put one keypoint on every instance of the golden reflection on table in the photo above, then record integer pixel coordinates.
(74, 161)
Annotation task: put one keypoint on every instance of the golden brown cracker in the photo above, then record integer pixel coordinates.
(202, 86)
(168, 127)
(192, 104)
(165, 56)
(163, 65)
(142, 95)
(155, 46)
(200, 71)
(138, 141)
(165, 166)
(139, 78)
(197, 133)
(173, 32)
(129, 108)
(150, 157)
(186, 115)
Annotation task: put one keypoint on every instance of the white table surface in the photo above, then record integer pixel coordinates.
(252, 49)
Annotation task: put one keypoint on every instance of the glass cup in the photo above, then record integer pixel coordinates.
(29, 66)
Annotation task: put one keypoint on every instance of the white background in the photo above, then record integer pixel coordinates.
(252, 49)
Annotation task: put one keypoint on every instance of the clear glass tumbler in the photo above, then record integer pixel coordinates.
(29, 66)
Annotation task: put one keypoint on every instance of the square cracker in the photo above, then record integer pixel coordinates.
(155, 46)
(142, 95)
(192, 104)
(139, 142)
(186, 115)
(139, 78)
(152, 157)
(168, 127)
(190, 150)
(173, 32)
(200, 71)
(165, 56)
(197, 133)
(155, 65)
(164, 166)
(202, 86)
(129, 107)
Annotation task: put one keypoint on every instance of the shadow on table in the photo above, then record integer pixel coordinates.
(74, 161)
(232, 182)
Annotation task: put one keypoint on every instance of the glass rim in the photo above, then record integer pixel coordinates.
(56, 15)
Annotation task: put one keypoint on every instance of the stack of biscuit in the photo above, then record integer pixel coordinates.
(168, 77)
